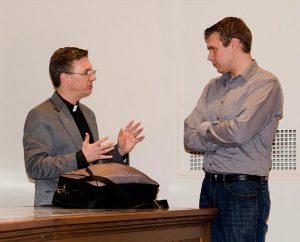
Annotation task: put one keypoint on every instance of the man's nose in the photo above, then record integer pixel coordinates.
(93, 77)
(210, 57)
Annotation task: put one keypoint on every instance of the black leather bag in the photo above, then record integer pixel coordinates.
(109, 185)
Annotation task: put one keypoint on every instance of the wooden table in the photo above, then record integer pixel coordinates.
(153, 225)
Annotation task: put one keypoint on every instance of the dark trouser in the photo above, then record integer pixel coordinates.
(244, 208)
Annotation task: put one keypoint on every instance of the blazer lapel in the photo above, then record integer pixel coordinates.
(67, 120)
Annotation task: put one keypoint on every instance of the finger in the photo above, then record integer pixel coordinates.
(121, 132)
(140, 138)
(129, 125)
(103, 157)
(138, 132)
(106, 150)
(100, 141)
(107, 145)
(134, 127)
(103, 139)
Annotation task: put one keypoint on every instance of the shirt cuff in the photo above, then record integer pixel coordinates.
(125, 158)
(204, 126)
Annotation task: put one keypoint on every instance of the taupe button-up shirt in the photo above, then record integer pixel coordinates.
(235, 122)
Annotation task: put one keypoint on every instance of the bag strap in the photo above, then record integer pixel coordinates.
(118, 193)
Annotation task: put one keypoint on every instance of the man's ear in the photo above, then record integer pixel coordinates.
(64, 78)
(235, 43)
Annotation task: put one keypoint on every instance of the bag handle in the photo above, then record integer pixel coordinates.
(118, 193)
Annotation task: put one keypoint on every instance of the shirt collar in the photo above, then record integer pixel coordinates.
(250, 70)
(71, 107)
(226, 78)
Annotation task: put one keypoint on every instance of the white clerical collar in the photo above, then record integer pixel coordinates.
(75, 108)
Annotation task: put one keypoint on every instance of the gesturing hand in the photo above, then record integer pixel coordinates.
(129, 137)
(97, 150)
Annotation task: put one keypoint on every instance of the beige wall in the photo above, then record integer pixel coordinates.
(151, 62)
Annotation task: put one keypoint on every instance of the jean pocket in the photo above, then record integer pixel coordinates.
(243, 188)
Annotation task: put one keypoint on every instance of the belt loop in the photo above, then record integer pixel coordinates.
(215, 177)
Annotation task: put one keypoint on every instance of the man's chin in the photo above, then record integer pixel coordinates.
(87, 94)
(220, 71)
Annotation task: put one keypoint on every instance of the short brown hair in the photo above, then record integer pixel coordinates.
(62, 61)
(231, 27)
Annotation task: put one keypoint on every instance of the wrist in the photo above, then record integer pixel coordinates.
(121, 152)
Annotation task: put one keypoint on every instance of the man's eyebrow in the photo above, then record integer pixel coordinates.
(88, 69)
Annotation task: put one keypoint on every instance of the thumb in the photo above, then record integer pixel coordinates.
(120, 134)
(86, 139)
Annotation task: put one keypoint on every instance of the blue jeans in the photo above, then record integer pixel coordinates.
(244, 208)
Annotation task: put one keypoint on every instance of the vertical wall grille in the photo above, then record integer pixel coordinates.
(196, 161)
(283, 153)
(284, 150)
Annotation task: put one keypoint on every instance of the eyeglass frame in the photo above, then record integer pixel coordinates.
(86, 73)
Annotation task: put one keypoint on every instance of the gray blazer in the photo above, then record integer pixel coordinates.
(51, 140)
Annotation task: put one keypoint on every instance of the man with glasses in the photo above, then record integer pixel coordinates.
(61, 134)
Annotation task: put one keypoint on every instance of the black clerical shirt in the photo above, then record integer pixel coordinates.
(83, 128)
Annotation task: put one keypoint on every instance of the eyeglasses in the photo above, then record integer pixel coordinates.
(86, 73)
